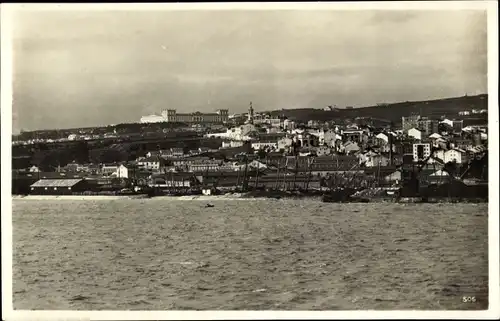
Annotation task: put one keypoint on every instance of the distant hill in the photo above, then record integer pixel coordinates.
(382, 114)
(448, 107)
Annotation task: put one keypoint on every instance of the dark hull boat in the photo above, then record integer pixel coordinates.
(455, 191)
(340, 195)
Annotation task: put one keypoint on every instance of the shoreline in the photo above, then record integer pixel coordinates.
(237, 196)
(244, 197)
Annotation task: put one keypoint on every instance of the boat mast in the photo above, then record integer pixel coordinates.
(309, 166)
(278, 174)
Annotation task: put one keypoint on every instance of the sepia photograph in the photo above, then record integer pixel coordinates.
(250, 157)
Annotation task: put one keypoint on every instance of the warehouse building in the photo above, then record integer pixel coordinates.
(58, 186)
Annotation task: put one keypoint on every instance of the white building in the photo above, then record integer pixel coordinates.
(284, 143)
(415, 133)
(119, 171)
(273, 130)
(421, 151)
(232, 143)
(435, 136)
(330, 108)
(382, 138)
(372, 159)
(264, 144)
(33, 169)
(236, 133)
(326, 137)
(447, 122)
(172, 152)
(152, 119)
(151, 163)
(289, 124)
(455, 155)
(394, 177)
(350, 147)
(305, 139)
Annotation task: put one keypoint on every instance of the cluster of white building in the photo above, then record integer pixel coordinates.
(472, 112)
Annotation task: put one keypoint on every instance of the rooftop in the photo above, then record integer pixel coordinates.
(56, 182)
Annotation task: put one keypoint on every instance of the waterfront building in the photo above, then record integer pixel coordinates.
(393, 178)
(58, 186)
(34, 169)
(119, 171)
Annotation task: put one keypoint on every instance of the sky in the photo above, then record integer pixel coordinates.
(90, 68)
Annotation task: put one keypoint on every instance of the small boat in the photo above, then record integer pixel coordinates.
(340, 195)
(209, 205)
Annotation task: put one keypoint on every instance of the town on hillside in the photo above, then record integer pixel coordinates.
(211, 153)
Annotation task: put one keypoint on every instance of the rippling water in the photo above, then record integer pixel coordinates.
(247, 255)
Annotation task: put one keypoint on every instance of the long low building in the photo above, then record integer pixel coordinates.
(58, 186)
(171, 115)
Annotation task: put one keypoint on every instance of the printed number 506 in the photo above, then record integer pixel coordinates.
(467, 299)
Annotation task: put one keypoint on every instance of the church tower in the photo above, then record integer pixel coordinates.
(250, 114)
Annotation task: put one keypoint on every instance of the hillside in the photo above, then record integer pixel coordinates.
(383, 114)
(448, 107)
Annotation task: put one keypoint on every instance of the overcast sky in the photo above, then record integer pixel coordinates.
(93, 68)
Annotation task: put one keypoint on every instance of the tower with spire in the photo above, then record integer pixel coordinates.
(250, 114)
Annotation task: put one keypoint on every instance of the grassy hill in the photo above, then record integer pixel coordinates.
(448, 107)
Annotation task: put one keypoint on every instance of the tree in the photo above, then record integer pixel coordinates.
(451, 168)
